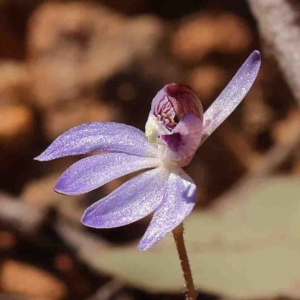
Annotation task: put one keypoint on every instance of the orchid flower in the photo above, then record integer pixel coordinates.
(175, 129)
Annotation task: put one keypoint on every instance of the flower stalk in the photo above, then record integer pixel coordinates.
(190, 293)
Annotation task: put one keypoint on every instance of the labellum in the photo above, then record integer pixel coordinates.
(175, 121)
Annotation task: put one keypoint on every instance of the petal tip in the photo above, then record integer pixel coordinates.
(41, 157)
(84, 219)
(61, 189)
(257, 53)
(255, 58)
(58, 191)
(46, 156)
(143, 246)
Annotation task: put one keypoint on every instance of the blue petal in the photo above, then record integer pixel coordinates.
(92, 172)
(132, 201)
(178, 202)
(98, 136)
(232, 95)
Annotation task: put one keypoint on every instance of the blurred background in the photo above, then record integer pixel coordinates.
(63, 63)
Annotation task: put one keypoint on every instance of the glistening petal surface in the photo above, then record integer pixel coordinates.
(232, 95)
(132, 201)
(99, 136)
(92, 172)
(177, 204)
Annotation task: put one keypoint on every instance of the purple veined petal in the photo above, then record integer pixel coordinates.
(99, 136)
(232, 95)
(185, 138)
(92, 172)
(177, 204)
(132, 201)
(175, 100)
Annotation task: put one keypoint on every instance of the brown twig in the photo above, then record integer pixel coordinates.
(108, 290)
(279, 25)
(16, 213)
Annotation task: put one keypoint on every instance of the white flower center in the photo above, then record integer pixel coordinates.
(154, 129)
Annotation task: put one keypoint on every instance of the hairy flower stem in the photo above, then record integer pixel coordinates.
(190, 293)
